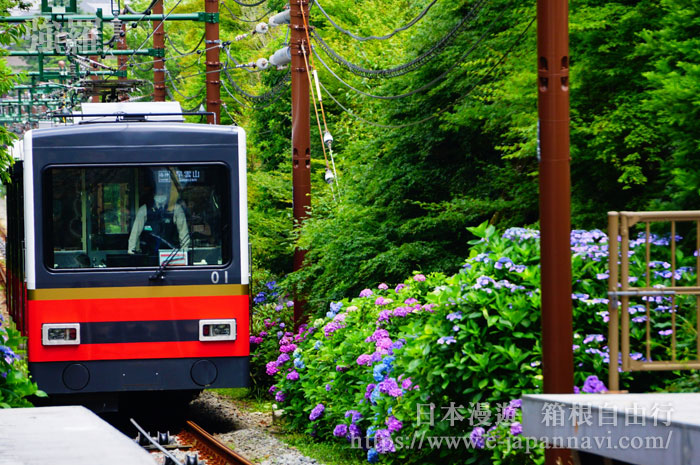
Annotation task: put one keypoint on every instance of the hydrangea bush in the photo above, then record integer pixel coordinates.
(15, 385)
(397, 368)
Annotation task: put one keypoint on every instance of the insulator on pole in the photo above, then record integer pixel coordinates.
(279, 19)
(261, 28)
(329, 177)
(281, 57)
(262, 63)
(328, 139)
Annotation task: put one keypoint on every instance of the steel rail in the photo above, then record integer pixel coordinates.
(205, 442)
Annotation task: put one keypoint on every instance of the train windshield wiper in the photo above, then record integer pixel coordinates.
(160, 272)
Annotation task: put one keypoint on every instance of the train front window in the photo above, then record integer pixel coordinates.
(136, 216)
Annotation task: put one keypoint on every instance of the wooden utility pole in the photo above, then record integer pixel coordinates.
(213, 76)
(301, 137)
(158, 62)
(555, 203)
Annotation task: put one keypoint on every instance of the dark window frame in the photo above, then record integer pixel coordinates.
(47, 215)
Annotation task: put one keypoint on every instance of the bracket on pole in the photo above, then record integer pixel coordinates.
(211, 18)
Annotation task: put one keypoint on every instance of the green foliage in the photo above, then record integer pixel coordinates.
(470, 341)
(15, 385)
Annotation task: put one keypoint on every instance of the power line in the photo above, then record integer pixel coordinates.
(250, 4)
(276, 88)
(427, 85)
(384, 37)
(421, 60)
(452, 104)
(196, 47)
(238, 18)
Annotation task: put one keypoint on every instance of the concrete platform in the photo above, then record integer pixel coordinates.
(643, 429)
(64, 436)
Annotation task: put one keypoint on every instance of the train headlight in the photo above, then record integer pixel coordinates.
(217, 330)
(60, 334)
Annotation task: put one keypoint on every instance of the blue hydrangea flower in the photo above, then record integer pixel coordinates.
(372, 455)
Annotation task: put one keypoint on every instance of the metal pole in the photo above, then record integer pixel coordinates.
(555, 208)
(94, 35)
(301, 127)
(158, 63)
(211, 41)
(121, 45)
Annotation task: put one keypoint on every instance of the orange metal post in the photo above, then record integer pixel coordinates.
(555, 208)
(158, 63)
(211, 39)
(301, 127)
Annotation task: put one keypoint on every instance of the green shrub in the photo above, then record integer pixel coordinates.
(15, 385)
(465, 347)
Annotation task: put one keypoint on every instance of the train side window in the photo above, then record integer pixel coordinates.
(137, 216)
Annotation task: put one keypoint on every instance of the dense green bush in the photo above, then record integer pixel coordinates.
(15, 385)
(467, 344)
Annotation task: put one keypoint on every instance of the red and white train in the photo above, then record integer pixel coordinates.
(127, 255)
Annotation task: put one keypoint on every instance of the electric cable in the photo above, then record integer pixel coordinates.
(417, 62)
(426, 86)
(439, 112)
(260, 2)
(384, 37)
(160, 25)
(274, 90)
(238, 18)
(145, 12)
(196, 47)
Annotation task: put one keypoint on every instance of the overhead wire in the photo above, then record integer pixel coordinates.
(426, 86)
(407, 67)
(443, 110)
(238, 18)
(384, 37)
(260, 2)
(155, 29)
(313, 96)
(196, 47)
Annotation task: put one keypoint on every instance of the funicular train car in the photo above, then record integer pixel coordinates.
(127, 255)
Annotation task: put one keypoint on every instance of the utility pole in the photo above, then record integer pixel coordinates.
(555, 203)
(301, 130)
(158, 62)
(121, 45)
(213, 76)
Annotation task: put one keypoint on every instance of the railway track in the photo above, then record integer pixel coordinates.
(193, 445)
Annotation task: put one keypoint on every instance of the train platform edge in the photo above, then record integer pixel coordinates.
(62, 436)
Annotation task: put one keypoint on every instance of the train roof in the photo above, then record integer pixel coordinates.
(133, 134)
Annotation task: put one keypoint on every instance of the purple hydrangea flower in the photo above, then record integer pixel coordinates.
(271, 368)
(368, 391)
(593, 385)
(293, 375)
(354, 413)
(419, 278)
(383, 286)
(317, 412)
(279, 397)
(406, 384)
(516, 403)
(272, 389)
(365, 292)
(516, 429)
(666, 332)
(477, 437)
(447, 340)
(399, 287)
(393, 424)
(282, 358)
(354, 431)
(364, 359)
(288, 348)
(340, 431)
(454, 316)
(410, 301)
(391, 387)
(383, 442)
